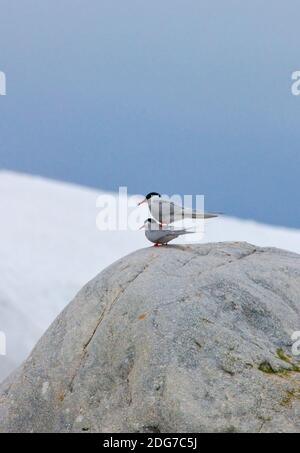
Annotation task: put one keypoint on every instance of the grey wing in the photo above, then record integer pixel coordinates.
(161, 235)
(168, 208)
(175, 234)
(177, 211)
(180, 232)
(210, 215)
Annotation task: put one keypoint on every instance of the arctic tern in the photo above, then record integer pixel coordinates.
(166, 212)
(161, 235)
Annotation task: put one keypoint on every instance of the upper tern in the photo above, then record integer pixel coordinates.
(166, 212)
(159, 235)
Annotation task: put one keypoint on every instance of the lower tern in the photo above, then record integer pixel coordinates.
(159, 235)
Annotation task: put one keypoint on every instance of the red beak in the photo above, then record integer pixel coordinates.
(141, 202)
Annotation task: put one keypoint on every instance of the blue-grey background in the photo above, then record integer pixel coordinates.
(176, 96)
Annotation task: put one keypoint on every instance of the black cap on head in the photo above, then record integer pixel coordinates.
(152, 194)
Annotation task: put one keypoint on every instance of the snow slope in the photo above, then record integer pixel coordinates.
(50, 247)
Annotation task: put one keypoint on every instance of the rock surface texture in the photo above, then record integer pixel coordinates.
(193, 338)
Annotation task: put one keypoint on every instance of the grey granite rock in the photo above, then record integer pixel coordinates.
(174, 339)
